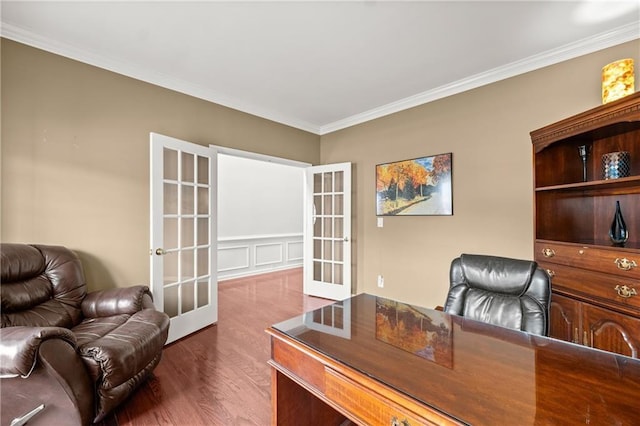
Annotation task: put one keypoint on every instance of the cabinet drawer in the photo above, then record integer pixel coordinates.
(368, 407)
(596, 286)
(622, 262)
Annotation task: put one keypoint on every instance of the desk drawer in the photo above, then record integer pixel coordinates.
(596, 286)
(610, 260)
(297, 362)
(367, 406)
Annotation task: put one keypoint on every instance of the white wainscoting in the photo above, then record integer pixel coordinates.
(257, 254)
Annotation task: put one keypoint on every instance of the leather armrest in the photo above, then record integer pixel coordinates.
(116, 301)
(19, 347)
(113, 361)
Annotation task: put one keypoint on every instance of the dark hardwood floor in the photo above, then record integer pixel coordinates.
(219, 375)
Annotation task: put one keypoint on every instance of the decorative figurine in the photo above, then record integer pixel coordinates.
(618, 232)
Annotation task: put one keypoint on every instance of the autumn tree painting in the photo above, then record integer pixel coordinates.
(421, 186)
(426, 333)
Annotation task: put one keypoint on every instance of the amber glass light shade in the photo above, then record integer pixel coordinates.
(617, 80)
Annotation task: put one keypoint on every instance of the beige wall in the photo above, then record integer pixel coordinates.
(487, 130)
(75, 156)
(75, 164)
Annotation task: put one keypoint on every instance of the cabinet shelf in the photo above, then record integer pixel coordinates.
(621, 183)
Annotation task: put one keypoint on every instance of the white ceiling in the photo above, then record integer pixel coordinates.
(321, 66)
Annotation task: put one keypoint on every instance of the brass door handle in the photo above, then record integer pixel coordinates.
(626, 292)
(547, 252)
(625, 264)
(160, 252)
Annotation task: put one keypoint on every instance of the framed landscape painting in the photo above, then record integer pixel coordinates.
(417, 187)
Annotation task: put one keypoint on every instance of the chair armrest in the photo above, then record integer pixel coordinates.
(19, 347)
(115, 301)
(118, 356)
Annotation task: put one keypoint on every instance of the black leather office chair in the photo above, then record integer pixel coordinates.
(507, 292)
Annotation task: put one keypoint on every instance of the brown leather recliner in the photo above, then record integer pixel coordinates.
(78, 354)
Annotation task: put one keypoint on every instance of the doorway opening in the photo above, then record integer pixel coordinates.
(260, 214)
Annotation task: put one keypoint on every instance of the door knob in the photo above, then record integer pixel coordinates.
(160, 252)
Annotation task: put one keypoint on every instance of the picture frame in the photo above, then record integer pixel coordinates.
(416, 187)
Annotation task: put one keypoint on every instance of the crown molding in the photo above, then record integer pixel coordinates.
(589, 45)
(573, 50)
(29, 38)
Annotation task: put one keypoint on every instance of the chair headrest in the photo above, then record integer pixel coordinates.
(20, 262)
(497, 274)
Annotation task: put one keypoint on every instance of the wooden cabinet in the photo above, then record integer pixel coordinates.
(564, 319)
(594, 326)
(610, 331)
(596, 285)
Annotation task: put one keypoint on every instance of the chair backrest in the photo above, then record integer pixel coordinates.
(41, 286)
(507, 292)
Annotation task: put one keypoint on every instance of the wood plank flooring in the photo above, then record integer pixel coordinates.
(219, 375)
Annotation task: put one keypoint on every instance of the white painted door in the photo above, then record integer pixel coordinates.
(327, 234)
(184, 233)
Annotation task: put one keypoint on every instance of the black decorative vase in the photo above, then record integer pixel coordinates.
(618, 232)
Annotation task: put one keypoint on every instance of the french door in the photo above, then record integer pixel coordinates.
(327, 255)
(184, 233)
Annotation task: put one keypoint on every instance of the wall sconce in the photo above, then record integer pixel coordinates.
(617, 80)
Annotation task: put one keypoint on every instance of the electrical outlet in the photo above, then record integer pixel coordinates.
(380, 281)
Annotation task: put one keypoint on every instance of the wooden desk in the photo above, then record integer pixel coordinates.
(345, 362)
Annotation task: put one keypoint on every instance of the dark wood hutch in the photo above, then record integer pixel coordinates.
(596, 285)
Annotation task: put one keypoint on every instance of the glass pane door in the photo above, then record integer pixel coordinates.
(183, 233)
(327, 231)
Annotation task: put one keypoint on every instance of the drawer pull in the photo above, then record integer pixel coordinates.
(625, 264)
(396, 422)
(547, 252)
(551, 273)
(626, 292)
